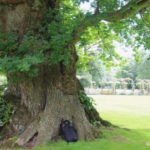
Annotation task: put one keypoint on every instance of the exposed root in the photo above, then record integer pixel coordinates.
(27, 134)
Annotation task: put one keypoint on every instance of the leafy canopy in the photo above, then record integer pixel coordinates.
(68, 25)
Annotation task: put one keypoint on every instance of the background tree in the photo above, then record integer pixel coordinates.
(128, 71)
(136, 69)
(38, 54)
(143, 70)
(90, 68)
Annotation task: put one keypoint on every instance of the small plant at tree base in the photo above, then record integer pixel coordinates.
(93, 115)
(87, 102)
(5, 107)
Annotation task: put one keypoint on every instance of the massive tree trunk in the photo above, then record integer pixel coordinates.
(49, 98)
(43, 101)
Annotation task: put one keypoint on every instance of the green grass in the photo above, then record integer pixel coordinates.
(130, 113)
(112, 139)
(103, 144)
(127, 120)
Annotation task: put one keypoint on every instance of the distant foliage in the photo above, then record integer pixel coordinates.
(90, 69)
(86, 81)
(128, 71)
(143, 70)
(135, 70)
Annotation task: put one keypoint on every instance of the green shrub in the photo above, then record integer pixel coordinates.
(85, 100)
(5, 111)
(5, 106)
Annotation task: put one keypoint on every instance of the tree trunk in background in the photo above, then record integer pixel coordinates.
(44, 100)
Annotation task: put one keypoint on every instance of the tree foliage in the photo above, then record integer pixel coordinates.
(90, 68)
(49, 42)
(143, 70)
(135, 70)
(128, 71)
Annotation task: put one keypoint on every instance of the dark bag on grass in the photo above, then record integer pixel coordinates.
(67, 131)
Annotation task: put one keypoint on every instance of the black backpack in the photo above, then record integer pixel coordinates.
(67, 131)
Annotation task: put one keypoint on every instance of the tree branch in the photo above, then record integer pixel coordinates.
(97, 7)
(126, 11)
(130, 9)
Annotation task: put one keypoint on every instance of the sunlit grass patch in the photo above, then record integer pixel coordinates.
(112, 139)
(132, 133)
(127, 120)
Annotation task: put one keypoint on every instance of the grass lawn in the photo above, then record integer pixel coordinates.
(130, 113)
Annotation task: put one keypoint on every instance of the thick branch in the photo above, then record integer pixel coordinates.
(126, 11)
(6, 2)
(130, 9)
